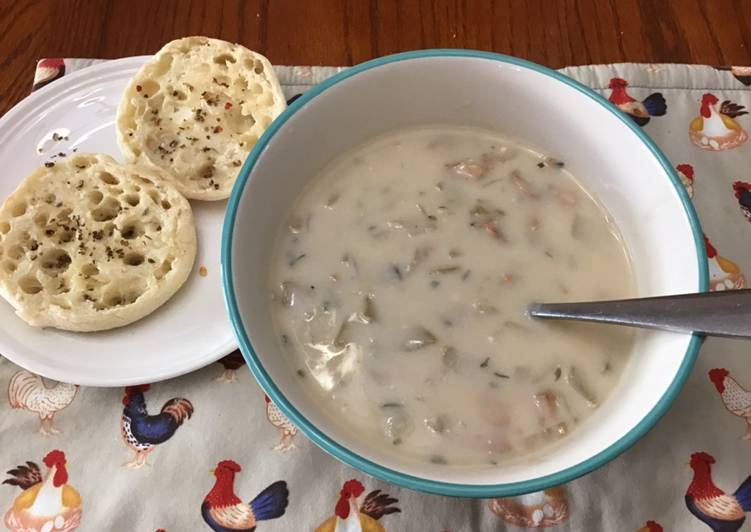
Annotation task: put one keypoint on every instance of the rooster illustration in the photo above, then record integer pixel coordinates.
(280, 421)
(736, 399)
(47, 502)
(742, 192)
(231, 364)
(651, 526)
(715, 128)
(724, 274)
(47, 71)
(712, 506)
(349, 516)
(141, 431)
(223, 511)
(540, 509)
(686, 174)
(640, 112)
(29, 392)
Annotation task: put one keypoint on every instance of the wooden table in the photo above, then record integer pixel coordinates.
(343, 32)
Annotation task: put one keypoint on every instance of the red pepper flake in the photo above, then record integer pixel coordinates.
(203, 271)
(139, 88)
(218, 129)
(228, 106)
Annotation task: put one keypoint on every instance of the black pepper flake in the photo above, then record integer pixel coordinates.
(49, 232)
(301, 373)
(49, 164)
(297, 259)
(205, 149)
(61, 154)
(199, 115)
(397, 271)
(501, 375)
(485, 363)
(139, 88)
(237, 162)
(150, 261)
(540, 165)
(221, 83)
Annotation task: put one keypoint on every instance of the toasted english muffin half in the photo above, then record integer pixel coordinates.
(196, 110)
(87, 244)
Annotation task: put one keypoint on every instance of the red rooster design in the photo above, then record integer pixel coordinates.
(742, 192)
(735, 398)
(540, 509)
(141, 431)
(231, 364)
(47, 71)
(29, 392)
(715, 128)
(640, 112)
(712, 506)
(686, 175)
(651, 526)
(280, 421)
(724, 274)
(223, 511)
(349, 516)
(47, 502)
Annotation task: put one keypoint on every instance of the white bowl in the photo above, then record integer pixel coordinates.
(614, 159)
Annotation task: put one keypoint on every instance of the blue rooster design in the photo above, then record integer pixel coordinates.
(718, 510)
(141, 431)
(224, 511)
(640, 112)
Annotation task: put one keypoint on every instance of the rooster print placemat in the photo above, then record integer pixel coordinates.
(209, 451)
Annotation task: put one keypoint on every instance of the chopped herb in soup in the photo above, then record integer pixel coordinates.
(400, 282)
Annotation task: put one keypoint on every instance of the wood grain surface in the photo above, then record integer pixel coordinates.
(555, 33)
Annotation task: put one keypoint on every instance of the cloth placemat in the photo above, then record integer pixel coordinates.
(231, 419)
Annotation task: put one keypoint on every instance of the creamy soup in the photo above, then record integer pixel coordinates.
(400, 283)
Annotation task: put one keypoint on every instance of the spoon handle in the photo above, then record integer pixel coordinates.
(726, 313)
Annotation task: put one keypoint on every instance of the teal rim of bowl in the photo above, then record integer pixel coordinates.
(393, 476)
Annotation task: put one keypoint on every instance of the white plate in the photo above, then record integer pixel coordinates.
(189, 331)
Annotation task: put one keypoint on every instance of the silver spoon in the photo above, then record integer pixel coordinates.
(726, 313)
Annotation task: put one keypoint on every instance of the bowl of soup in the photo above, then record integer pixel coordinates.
(386, 235)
